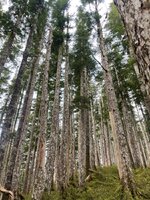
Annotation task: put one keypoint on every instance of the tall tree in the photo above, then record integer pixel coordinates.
(19, 82)
(121, 152)
(59, 22)
(66, 137)
(82, 65)
(135, 16)
(14, 160)
(43, 112)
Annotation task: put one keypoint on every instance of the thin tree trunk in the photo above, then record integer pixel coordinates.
(95, 140)
(64, 149)
(54, 126)
(83, 137)
(43, 112)
(17, 146)
(32, 146)
(131, 136)
(72, 156)
(11, 109)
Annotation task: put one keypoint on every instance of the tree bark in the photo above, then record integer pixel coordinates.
(65, 139)
(135, 15)
(43, 112)
(11, 109)
(54, 126)
(116, 123)
(14, 161)
(83, 137)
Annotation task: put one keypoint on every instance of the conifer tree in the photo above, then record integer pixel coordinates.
(135, 16)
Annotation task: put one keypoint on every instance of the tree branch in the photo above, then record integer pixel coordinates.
(99, 63)
(3, 190)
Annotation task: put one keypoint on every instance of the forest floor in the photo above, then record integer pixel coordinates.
(105, 185)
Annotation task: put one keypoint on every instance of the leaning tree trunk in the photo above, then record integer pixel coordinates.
(7, 47)
(43, 112)
(22, 127)
(12, 107)
(135, 15)
(116, 123)
(32, 146)
(131, 135)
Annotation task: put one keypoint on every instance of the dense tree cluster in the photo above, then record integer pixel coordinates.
(72, 101)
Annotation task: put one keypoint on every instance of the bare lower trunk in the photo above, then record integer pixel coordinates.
(17, 146)
(116, 123)
(95, 141)
(131, 136)
(39, 183)
(135, 15)
(83, 137)
(54, 126)
(11, 110)
(66, 139)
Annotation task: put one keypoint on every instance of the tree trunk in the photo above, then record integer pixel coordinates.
(14, 161)
(131, 135)
(54, 126)
(32, 146)
(43, 112)
(11, 109)
(65, 139)
(135, 15)
(83, 137)
(116, 123)
(95, 140)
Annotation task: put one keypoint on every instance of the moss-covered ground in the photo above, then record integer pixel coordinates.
(105, 185)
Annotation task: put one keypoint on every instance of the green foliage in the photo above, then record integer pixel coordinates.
(115, 23)
(82, 47)
(105, 185)
(122, 65)
(81, 102)
(81, 56)
(59, 21)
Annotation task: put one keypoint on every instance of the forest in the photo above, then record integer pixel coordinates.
(74, 100)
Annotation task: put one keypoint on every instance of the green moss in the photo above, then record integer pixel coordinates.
(105, 185)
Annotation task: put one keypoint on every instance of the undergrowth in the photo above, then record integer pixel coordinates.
(105, 185)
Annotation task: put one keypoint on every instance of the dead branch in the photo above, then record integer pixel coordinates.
(3, 190)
